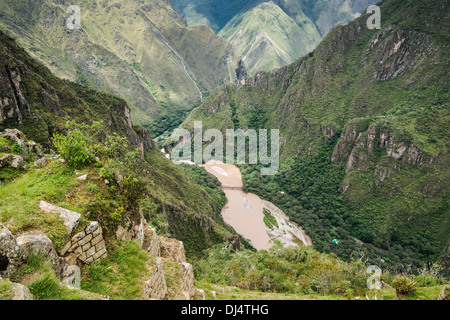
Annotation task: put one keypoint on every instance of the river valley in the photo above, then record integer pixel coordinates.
(245, 212)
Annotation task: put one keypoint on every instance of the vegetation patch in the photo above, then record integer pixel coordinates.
(269, 219)
(121, 276)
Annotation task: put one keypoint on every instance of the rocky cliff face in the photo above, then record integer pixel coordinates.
(359, 143)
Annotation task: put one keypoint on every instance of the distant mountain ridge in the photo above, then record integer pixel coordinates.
(271, 34)
(139, 50)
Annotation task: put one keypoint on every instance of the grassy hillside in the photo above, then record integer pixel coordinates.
(363, 134)
(268, 38)
(295, 273)
(140, 51)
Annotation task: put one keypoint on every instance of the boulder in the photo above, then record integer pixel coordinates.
(135, 228)
(88, 246)
(20, 292)
(18, 137)
(16, 162)
(71, 218)
(9, 252)
(33, 147)
(36, 242)
(83, 177)
(11, 160)
(42, 162)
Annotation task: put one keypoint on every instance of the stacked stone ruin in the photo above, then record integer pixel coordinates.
(156, 287)
(88, 246)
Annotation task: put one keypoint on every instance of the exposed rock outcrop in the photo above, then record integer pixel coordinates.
(13, 104)
(359, 142)
(16, 251)
(9, 252)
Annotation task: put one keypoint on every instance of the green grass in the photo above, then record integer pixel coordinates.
(121, 276)
(424, 293)
(6, 291)
(19, 200)
(269, 219)
(5, 145)
(48, 287)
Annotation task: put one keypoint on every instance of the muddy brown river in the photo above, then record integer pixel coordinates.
(244, 212)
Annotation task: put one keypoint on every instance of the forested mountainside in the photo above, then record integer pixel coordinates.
(364, 134)
(141, 51)
(271, 34)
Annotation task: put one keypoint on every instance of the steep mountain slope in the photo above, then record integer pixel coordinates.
(139, 50)
(268, 38)
(271, 34)
(363, 123)
(39, 104)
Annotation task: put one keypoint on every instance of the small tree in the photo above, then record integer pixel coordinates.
(404, 285)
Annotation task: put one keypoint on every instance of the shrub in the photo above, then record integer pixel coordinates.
(77, 147)
(17, 148)
(404, 285)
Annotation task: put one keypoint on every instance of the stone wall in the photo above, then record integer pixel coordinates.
(151, 241)
(15, 251)
(172, 249)
(187, 281)
(88, 246)
(141, 232)
(156, 287)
